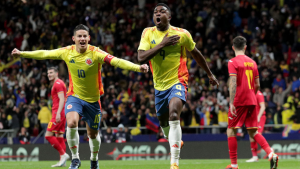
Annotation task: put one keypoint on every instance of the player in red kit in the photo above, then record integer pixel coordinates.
(261, 119)
(243, 86)
(58, 122)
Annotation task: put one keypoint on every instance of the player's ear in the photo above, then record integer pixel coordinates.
(73, 38)
(245, 47)
(232, 47)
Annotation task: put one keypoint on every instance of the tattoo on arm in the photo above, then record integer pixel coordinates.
(232, 87)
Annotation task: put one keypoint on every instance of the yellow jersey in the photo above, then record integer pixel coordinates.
(84, 69)
(169, 65)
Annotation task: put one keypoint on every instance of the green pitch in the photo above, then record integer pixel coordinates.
(184, 164)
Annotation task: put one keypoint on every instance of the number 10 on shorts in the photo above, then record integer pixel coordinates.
(97, 118)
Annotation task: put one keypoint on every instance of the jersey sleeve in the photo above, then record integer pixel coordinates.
(45, 54)
(232, 68)
(189, 43)
(100, 55)
(255, 72)
(59, 87)
(145, 42)
(104, 57)
(260, 98)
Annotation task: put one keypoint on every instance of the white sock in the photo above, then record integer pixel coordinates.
(166, 130)
(94, 147)
(175, 140)
(73, 141)
(234, 165)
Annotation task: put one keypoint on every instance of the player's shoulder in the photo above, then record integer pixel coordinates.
(70, 47)
(95, 49)
(148, 30)
(59, 82)
(181, 31)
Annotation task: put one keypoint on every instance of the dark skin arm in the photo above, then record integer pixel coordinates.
(197, 55)
(145, 56)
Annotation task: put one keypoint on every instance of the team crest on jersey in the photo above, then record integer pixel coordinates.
(69, 106)
(88, 61)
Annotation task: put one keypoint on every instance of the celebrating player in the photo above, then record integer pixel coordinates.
(84, 63)
(243, 85)
(164, 46)
(58, 122)
(261, 119)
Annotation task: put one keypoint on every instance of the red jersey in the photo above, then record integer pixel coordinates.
(245, 69)
(260, 99)
(58, 87)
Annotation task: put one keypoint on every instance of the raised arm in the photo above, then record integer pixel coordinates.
(145, 55)
(203, 64)
(39, 54)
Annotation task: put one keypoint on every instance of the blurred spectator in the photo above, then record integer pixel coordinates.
(279, 82)
(295, 84)
(120, 136)
(223, 118)
(44, 115)
(287, 113)
(108, 136)
(279, 95)
(24, 136)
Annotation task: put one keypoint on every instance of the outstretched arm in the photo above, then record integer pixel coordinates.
(203, 64)
(124, 64)
(39, 54)
(145, 55)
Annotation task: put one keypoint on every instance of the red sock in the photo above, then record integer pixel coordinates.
(232, 145)
(53, 141)
(263, 143)
(61, 141)
(253, 148)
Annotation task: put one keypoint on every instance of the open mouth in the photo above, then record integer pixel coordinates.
(158, 20)
(82, 44)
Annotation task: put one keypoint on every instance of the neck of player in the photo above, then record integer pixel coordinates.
(163, 28)
(55, 79)
(239, 52)
(81, 50)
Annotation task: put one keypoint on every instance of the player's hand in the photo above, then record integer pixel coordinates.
(144, 68)
(171, 40)
(232, 110)
(213, 81)
(258, 118)
(15, 53)
(57, 119)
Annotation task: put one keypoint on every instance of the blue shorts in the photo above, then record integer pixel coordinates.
(90, 112)
(162, 98)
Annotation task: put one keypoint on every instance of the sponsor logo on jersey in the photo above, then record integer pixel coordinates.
(178, 93)
(88, 61)
(72, 61)
(69, 106)
(230, 118)
(153, 42)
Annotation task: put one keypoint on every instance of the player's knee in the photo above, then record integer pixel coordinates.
(72, 123)
(230, 132)
(173, 116)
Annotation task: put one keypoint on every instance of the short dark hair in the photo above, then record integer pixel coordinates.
(53, 68)
(81, 27)
(239, 43)
(165, 5)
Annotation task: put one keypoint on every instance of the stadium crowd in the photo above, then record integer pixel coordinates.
(272, 29)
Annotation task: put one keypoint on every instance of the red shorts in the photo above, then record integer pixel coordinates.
(245, 115)
(57, 127)
(261, 123)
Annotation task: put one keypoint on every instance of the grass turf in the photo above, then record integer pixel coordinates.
(184, 164)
